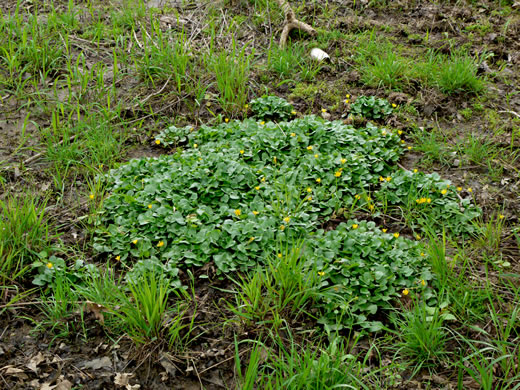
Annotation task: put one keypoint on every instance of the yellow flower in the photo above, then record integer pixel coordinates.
(323, 110)
(157, 141)
(100, 166)
(150, 206)
(443, 192)
(287, 219)
(251, 239)
(262, 123)
(337, 174)
(415, 170)
(316, 156)
(501, 216)
(274, 160)
(293, 112)
(293, 134)
(355, 226)
(399, 132)
(262, 179)
(309, 147)
(321, 273)
(357, 196)
(347, 95)
(160, 243)
(195, 146)
(257, 188)
(409, 148)
(246, 106)
(423, 254)
(309, 198)
(279, 255)
(49, 265)
(381, 178)
(388, 178)
(134, 242)
(394, 105)
(429, 200)
(343, 160)
(318, 180)
(255, 212)
(423, 283)
(459, 189)
(347, 101)
(226, 120)
(402, 141)
(418, 236)
(384, 230)
(396, 235)
(470, 189)
(309, 189)
(371, 207)
(282, 228)
(238, 212)
(118, 258)
(383, 132)
(242, 151)
(91, 196)
(405, 291)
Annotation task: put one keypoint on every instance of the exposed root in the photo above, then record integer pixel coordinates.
(291, 23)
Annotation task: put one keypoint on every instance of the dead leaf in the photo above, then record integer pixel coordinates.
(35, 360)
(47, 386)
(97, 310)
(64, 385)
(97, 364)
(122, 379)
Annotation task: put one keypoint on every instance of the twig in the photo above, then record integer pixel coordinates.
(291, 23)
(223, 361)
(37, 155)
(511, 112)
(153, 93)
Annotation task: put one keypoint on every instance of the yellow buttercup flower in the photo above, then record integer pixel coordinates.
(343, 160)
(399, 132)
(309, 147)
(293, 112)
(383, 132)
(316, 156)
(415, 170)
(150, 206)
(255, 212)
(443, 192)
(418, 236)
(388, 178)
(262, 179)
(347, 101)
(394, 105)
(134, 241)
(157, 141)
(409, 148)
(323, 110)
(384, 230)
(282, 228)
(274, 160)
(287, 219)
(405, 292)
(309, 189)
(423, 283)
(257, 188)
(91, 196)
(160, 243)
(347, 96)
(396, 235)
(226, 120)
(238, 212)
(293, 134)
(470, 189)
(423, 254)
(459, 189)
(357, 196)
(242, 151)
(355, 226)
(337, 174)
(49, 265)
(118, 258)
(246, 106)
(501, 216)
(318, 180)
(279, 255)
(195, 145)
(321, 273)
(309, 198)
(262, 123)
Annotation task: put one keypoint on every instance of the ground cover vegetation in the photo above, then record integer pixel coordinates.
(186, 204)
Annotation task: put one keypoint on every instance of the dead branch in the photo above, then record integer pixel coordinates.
(291, 23)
